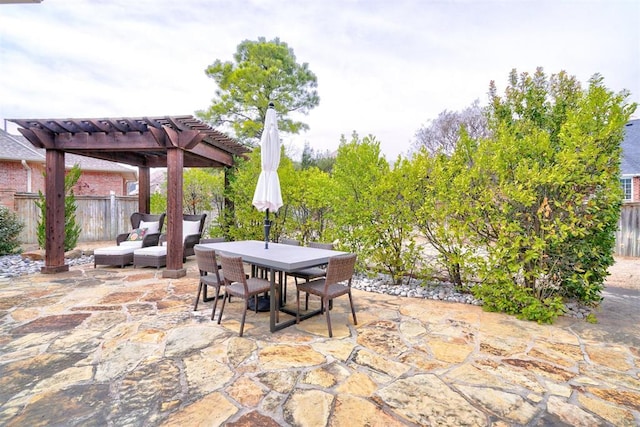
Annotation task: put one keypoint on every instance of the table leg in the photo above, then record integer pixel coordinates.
(274, 308)
(272, 303)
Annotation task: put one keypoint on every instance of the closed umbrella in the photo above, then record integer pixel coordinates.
(267, 196)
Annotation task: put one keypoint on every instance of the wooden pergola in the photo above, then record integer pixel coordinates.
(174, 142)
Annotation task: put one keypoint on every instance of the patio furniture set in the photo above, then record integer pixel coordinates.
(145, 245)
(326, 273)
(222, 264)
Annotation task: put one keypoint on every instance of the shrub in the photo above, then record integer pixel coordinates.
(10, 228)
(507, 297)
(546, 193)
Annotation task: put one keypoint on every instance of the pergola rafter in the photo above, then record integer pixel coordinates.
(174, 142)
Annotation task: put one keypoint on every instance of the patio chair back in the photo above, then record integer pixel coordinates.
(234, 269)
(340, 269)
(237, 284)
(292, 242)
(307, 273)
(207, 261)
(320, 245)
(137, 217)
(213, 240)
(198, 217)
(190, 240)
(210, 275)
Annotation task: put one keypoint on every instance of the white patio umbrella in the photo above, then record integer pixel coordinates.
(267, 196)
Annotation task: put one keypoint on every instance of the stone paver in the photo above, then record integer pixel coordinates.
(113, 346)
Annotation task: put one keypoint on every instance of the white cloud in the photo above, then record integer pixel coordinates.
(384, 68)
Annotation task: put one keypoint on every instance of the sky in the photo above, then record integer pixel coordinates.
(384, 67)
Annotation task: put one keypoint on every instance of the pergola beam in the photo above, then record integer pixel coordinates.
(130, 141)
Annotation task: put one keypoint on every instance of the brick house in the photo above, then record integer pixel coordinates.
(630, 162)
(22, 166)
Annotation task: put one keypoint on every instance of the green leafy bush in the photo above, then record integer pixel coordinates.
(10, 228)
(530, 209)
(507, 297)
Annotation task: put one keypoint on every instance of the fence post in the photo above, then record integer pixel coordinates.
(114, 214)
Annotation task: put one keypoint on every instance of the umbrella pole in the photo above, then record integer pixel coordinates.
(267, 229)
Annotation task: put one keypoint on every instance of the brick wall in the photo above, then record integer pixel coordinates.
(7, 199)
(636, 188)
(14, 178)
(100, 184)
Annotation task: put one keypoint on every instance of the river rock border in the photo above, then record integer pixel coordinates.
(17, 265)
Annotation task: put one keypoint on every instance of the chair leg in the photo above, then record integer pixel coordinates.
(195, 307)
(353, 310)
(244, 315)
(222, 308)
(326, 309)
(215, 303)
(205, 298)
(204, 291)
(298, 305)
(306, 298)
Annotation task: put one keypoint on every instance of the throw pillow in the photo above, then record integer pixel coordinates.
(137, 234)
(151, 226)
(190, 227)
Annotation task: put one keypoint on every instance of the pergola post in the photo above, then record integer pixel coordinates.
(144, 189)
(54, 217)
(175, 166)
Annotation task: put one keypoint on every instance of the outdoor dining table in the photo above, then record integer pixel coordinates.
(277, 258)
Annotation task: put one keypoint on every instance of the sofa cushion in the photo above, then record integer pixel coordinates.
(134, 244)
(151, 251)
(115, 250)
(152, 227)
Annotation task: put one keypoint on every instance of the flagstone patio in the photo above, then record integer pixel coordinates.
(111, 346)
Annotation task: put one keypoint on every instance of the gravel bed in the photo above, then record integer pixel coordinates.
(15, 265)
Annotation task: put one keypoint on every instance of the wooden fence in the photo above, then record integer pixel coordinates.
(628, 234)
(100, 217)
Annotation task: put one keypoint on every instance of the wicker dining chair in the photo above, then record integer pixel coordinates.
(212, 240)
(237, 284)
(308, 273)
(291, 242)
(339, 270)
(211, 275)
